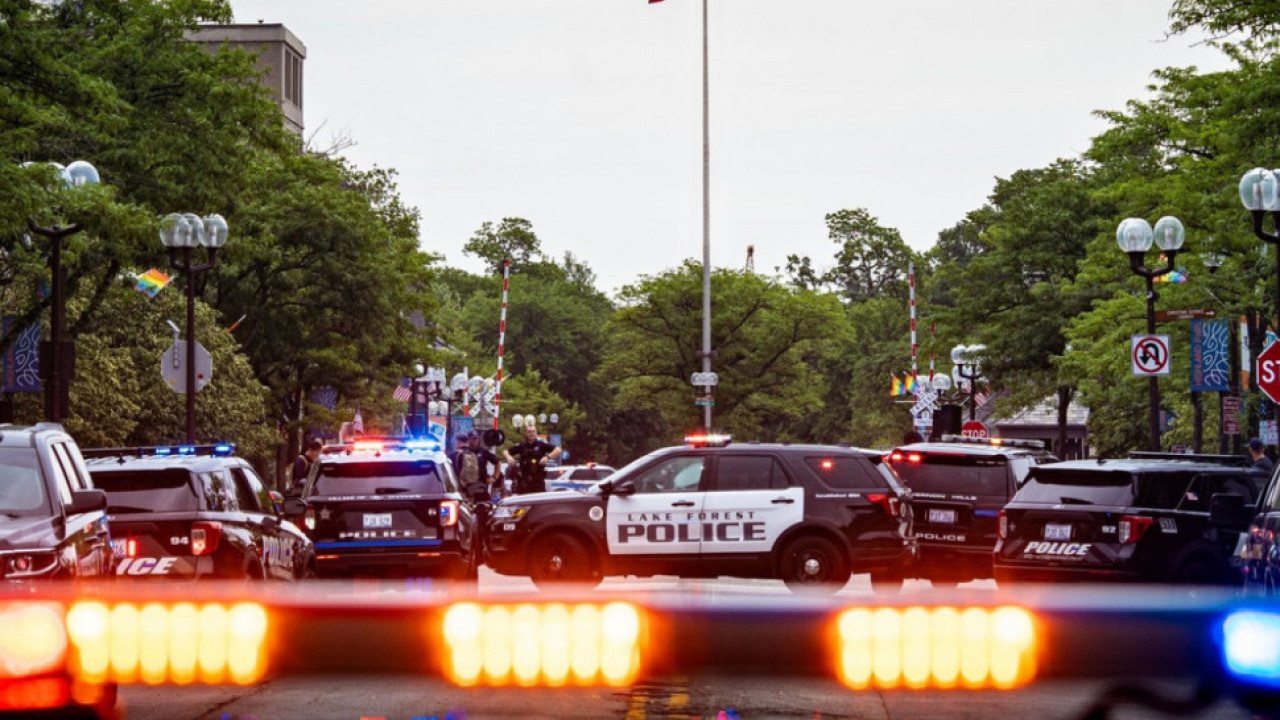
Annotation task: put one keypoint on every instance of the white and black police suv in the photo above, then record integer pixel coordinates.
(810, 515)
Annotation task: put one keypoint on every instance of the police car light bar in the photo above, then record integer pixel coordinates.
(216, 449)
(994, 442)
(707, 440)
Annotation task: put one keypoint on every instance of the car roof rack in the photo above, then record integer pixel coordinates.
(1232, 460)
(142, 451)
(995, 442)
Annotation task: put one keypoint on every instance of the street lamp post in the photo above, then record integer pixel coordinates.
(1134, 236)
(58, 374)
(1260, 193)
(968, 368)
(181, 234)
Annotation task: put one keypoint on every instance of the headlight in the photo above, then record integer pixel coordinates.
(28, 564)
(510, 511)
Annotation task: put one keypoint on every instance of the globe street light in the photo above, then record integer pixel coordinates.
(966, 366)
(61, 351)
(1134, 236)
(182, 234)
(1260, 193)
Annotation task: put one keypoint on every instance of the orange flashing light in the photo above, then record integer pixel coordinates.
(33, 641)
(374, 445)
(550, 645)
(707, 440)
(156, 643)
(941, 647)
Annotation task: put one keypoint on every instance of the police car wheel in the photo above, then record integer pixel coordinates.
(561, 558)
(813, 563)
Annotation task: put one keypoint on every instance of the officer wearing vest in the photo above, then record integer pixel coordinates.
(533, 454)
(475, 465)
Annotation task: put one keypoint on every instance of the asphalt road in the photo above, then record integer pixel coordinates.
(409, 697)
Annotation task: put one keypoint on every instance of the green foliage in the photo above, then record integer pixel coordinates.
(871, 260)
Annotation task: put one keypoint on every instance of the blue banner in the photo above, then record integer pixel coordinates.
(21, 362)
(1210, 351)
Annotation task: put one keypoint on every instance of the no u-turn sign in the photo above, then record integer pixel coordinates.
(1150, 354)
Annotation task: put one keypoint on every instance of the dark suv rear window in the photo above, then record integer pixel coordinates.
(939, 473)
(147, 491)
(1077, 487)
(382, 478)
(845, 471)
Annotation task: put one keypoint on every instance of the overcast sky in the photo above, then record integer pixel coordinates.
(584, 116)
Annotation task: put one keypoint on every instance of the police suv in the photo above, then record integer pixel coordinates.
(388, 506)
(196, 511)
(1144, 518)
(52, 523)
(958, 488)
(810, 515)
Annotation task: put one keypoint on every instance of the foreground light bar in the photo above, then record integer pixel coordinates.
(1251, 646)
(543, 644)
(32, 641)
(941, 647)
(161, 642)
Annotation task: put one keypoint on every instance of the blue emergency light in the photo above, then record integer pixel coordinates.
(1251, 647)
(165, 450)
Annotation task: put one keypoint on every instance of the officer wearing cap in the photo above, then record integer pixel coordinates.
(1258, 453)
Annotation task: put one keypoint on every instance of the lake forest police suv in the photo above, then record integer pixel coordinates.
(810, 515)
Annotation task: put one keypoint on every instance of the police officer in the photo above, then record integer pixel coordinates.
(533, 454)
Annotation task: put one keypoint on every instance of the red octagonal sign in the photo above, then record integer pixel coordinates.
(1269, 371)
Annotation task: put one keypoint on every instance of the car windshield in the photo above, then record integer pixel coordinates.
(1052, 486)
(136, 491)
(21, 489)
(382, 478)
(956, 474)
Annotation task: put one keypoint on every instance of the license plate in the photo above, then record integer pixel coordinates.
(377, 520)
(942, 516)
(1053, 531)
(118, 547)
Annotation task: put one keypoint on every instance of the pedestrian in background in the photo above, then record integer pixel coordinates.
(302, 466)
(1258, 453)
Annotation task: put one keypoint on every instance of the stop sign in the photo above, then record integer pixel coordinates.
(1269, 371)
(975, 429)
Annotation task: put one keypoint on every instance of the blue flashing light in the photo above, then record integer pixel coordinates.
(422, 445)
(223, 449)
(186, 449)
(1251, 646)
(164, 451)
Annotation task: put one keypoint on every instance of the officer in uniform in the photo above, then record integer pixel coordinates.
(531, 456)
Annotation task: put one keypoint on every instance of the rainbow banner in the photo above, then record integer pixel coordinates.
(896, 387)
(1177, 277)
(152, 282)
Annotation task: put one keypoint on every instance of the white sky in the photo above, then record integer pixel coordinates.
(584, 116)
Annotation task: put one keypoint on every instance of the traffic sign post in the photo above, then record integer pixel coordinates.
(1268, 370)
(1150, 355)
(173, 367)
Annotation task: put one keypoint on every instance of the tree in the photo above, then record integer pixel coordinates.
(764, 335)
(871, 260)
(513, 239)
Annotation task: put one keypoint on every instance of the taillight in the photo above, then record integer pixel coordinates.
(1002, 526)
(914, 457)
(888, 502)
(309, 519)
(448, 513)
(204, 537)
(131, 548)
(1133, 527)
(894, 457)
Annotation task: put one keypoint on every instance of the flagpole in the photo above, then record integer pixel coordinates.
(706, 223)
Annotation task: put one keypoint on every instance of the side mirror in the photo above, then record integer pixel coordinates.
(1229, 509)
(277, 501)
(293, 507)
(83, 501)
(624, 488)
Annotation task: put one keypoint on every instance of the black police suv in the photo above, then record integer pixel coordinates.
(196, 511)
(1258, 553)
(1145, 518)
(388, 507)
(52, 520)
(808, 514)
(958, 488)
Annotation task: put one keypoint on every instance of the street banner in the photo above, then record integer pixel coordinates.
(462, 425)
(1231, 415)
(1267, 432)
(1210, 356)
(20, 363)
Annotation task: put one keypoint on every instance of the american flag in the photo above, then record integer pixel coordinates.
(979, 399)
(402, 393)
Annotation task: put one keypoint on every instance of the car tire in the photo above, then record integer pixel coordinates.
(888, 581)
(561, 558)
(1198, 573)
(813, 564)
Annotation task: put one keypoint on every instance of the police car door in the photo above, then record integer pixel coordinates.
(661, 516)
(749, 505)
